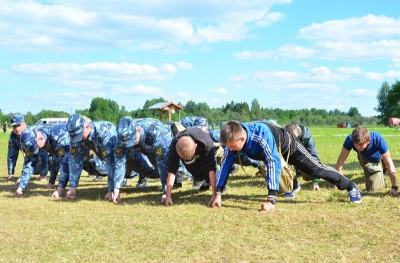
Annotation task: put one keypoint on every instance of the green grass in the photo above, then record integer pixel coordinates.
(314, 227)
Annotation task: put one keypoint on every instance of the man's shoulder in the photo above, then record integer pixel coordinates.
(376, 137)
(196, 133)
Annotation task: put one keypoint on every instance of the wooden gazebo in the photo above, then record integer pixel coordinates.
(169, 107)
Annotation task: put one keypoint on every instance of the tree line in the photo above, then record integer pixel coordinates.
(388, 102)
(106, 109)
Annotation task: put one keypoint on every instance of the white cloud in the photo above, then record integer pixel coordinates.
(220, 91)
(396, 62)
(248, 54)
(366, 28)
(269, 19)
(369, 37)
(315, 78)
(296, 52)
(96, 74)
(362, 93)
(320, 71)
(391, 74)
(95, 25)
(374, 50)
(305, 64)
(138, 89)
(345, 70)
(184, 65)
(286, 51)
(374, 76)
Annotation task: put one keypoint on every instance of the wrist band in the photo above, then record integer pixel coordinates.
(395, 188)
(218, 193)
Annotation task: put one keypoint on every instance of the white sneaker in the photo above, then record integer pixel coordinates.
(98, 178)
(292, 194)
(142, 182)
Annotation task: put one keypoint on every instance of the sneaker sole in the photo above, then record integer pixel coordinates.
(289, 197)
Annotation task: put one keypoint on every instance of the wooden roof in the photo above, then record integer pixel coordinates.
(165, 106)
(169, 107)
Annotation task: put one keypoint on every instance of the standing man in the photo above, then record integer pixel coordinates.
(306, 138)
(372, 150)
(18, 125)
(5, 127)
(261, 140)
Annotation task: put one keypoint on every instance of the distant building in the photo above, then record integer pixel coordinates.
(166, 107)
(394, 122)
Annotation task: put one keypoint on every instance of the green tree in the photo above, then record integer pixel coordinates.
(104, 109)
(383, 107)
(394, 101)
(255, 110)
(353, 112)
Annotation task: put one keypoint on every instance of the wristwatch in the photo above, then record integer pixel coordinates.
(395, 188)
(272, 201)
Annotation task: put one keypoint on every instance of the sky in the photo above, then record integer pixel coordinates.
(288, 54)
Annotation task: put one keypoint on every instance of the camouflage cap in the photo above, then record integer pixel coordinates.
(17, 119)
(189, 122)
(28, 141)
(126, 130)
(75, 126)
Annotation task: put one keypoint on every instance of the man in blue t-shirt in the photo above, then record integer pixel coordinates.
(371, 149)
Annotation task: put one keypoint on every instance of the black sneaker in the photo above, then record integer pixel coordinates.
(234, 169)
(197, 184)
(178, 179)
(204, 187)
(142, 182)
(177, 185)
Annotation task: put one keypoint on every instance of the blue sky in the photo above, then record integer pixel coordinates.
(288, 54)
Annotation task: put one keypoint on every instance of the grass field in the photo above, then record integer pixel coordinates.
(314, 227)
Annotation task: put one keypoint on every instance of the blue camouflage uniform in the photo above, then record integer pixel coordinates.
(101, 141)
(56, 145)
(12, 157)
(155, 139)
(196, 121)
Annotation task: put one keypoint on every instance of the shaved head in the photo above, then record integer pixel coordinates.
(185, 147)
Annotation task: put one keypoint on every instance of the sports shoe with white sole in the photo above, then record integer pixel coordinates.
(142, 182)
(98, 179)
(292, 194)
(197, 185)
(355, 195)
(234, 169)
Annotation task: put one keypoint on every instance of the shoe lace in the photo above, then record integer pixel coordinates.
(355, 193)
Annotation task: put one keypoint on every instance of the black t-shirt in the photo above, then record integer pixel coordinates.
(204, 161)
